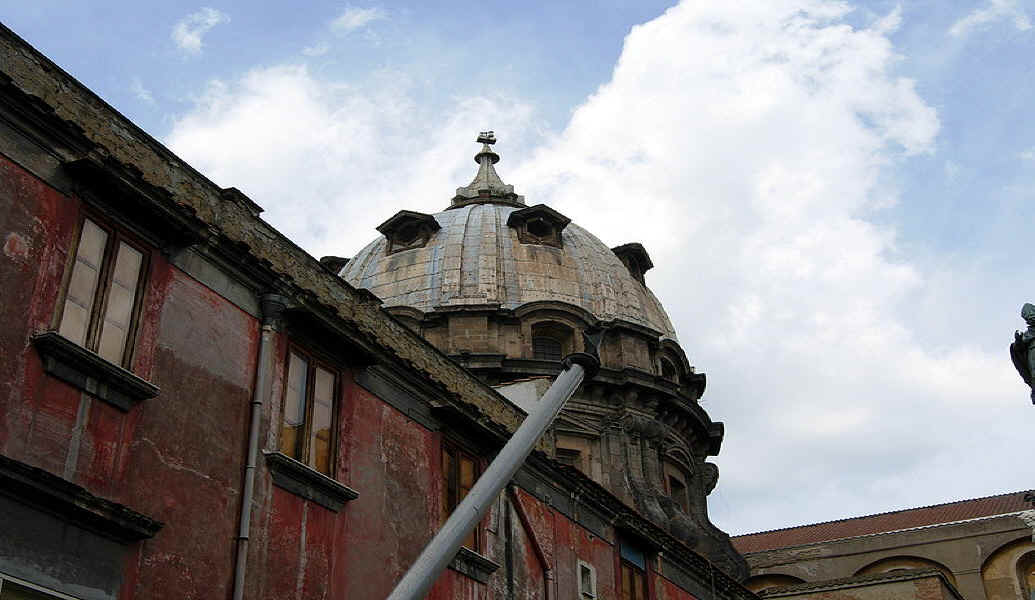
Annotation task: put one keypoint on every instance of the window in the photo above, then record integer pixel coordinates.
(668, 370)
(12, 589)
(459, 472)
(103, 293)
(1026, 575)
(546, 348)
(677, 491)
(570, 457)
(307, 426)
(587, 581)
(551, 341)
(633, 572)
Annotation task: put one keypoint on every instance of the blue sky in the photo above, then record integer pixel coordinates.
(837, 196)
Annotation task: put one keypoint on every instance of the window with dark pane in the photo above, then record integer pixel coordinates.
(459, 472)
(677, 491)
(633, 572)
(668, 370)
(103, 292)
(10, 590)
(545, 347)
(307, 421)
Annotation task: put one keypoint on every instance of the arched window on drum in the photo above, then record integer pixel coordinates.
(551, 341)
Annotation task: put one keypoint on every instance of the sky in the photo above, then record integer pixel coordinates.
(837, 196)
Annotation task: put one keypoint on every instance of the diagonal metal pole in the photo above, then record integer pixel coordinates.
(444, 546)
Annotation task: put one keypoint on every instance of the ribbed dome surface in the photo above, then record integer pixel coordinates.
(476, 259)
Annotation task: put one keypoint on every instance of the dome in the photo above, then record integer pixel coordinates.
(474, 258)
(506, 290)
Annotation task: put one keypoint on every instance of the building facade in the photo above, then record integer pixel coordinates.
(979, 549)
(193, 407)
(506, 289)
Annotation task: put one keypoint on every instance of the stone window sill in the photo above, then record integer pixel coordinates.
(48, 492)
(73, 364)
(308, 483)
(474, 565)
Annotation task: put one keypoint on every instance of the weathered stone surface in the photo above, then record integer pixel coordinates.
(475, 259)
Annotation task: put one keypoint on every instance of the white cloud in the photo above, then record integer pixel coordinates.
(1028, 154)
(353, 18)
(316, 50)
(995, 10)
(747, 145)
(329, 160)
(141, 92)
(189, 31)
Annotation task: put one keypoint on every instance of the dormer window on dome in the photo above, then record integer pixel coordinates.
(538, 224)
(407, 230)
(635, 259)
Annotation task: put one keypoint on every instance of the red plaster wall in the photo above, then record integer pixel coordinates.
(36, 229)
(176, 457)
(666, 590)
(395, 465)
(179, 457)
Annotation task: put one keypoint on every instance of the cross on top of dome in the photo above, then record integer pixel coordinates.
(486, 137)
(487, 187)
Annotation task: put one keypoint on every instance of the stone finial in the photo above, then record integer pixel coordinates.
(487, 187)
(1022, 350)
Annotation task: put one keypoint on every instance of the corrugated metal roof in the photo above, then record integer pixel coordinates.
(883, 523)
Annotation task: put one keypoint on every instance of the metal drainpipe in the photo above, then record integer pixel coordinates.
(444, 546)
(271, 306)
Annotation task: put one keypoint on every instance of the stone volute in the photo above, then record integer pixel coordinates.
(507, 290)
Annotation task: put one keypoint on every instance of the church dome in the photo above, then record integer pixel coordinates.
(489, 250)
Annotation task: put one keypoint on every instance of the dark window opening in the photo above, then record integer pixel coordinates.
(668, 370)
(677, 491)
(459, 472)
(539, 228)
(570, 457)
(547, 348)
(407, 234)
(633, 572)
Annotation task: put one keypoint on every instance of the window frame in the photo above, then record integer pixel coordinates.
(680, 497)
(451, 484)
(627, 565)
(303, 447)
(32, 586)
(558, 332)
(591, 593)
(117, 235)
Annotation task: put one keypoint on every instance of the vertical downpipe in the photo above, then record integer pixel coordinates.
(271, 307)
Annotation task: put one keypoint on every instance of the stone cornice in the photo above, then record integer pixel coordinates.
(308, 483)
(71, 502)
(92, 374)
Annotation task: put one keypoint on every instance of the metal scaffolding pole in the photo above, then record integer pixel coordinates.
(444, 546)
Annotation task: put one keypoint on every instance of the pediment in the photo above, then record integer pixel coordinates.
(570, 425)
